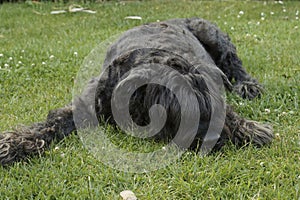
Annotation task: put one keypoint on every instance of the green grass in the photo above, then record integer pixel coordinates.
(37, 71)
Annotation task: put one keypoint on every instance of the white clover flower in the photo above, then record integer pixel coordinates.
(52, 56)
(297, 12)
(32, 65)
(262, 14)
(272, 13)
(258, 23)
(297, 18)
(75, 53)
(238, 16)
(6, 65)
(284, 10)
(225, 23)
(20, 62)
(267, 110)
(280, 2)
(262, 18)
(1, 54)
(43, 63)
(23, 51)
(232, 28)
(10, 58)
(241, 12)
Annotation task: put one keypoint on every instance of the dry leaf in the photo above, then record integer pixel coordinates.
(134, 17)
(57, 12)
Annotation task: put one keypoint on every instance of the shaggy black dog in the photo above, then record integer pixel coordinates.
(181, 65)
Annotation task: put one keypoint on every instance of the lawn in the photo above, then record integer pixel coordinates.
(40, 55)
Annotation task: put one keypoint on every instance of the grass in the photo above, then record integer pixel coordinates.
(40, 55)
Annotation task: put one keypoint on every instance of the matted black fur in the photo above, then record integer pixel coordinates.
(195, 48)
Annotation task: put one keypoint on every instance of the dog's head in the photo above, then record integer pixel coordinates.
(162, 94)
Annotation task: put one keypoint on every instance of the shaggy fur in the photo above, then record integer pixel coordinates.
(194, 48)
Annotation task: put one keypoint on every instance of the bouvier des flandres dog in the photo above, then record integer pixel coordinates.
(184, 63)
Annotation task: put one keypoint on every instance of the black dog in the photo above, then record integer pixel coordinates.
(180, 64)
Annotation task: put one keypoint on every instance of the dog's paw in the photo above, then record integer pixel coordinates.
(259, 134)
(248, 89)
(253, 132)
(18, 144)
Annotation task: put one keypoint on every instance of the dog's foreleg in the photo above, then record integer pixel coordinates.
(224, 54)
(33, 140)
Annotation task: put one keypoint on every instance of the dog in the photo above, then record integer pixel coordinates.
(166, 76)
